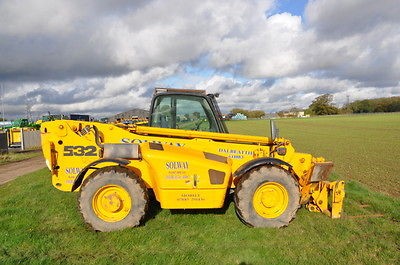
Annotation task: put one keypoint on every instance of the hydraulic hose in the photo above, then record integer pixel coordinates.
(97, 137)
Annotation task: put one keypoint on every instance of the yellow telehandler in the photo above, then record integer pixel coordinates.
(188, 160)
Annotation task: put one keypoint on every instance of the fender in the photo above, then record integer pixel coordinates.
(246, 167)
(78, 180)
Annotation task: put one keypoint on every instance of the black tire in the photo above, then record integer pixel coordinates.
(113, 198)
(255, 188)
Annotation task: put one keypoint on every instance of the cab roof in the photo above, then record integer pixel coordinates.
(159, 90)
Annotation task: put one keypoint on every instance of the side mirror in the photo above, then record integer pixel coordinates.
(274, 130)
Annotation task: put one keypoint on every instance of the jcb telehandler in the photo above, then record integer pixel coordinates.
(187, 158)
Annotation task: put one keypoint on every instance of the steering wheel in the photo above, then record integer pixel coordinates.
(199, 123)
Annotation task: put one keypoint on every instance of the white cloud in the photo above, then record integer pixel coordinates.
(33, 17)
(341, 18)
(357, 39)
(91, 56)
(273, 50)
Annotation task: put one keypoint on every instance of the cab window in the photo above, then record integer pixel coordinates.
(183, 112)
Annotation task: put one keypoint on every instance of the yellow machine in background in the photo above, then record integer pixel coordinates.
(15, 130)
(189, 161)
(14, 136)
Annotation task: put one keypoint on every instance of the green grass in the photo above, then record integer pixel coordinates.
(18, 156)
(41, 225)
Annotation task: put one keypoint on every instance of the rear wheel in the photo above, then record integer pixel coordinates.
(267, 197)
(113, 198)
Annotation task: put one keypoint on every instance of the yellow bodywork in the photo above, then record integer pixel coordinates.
(14, 136)
(186, 169)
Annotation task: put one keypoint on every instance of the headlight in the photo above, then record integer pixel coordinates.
(127, 151)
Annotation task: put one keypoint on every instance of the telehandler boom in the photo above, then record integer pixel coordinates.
(187, 158)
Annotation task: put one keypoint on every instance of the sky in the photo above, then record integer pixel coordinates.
(105, 57)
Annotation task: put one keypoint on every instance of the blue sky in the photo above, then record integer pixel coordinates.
(295, 7)
(106, 57)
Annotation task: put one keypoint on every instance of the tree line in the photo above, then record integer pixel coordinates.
(249, 113)
(391, 104)
(322, 105)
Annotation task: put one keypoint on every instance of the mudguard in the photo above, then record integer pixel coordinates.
(79, 178)
(243, 169)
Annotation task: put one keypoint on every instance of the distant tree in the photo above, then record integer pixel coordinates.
(293, 112)
(362, 106)
(391, 104)
(257, 114)
(394, 105)
(238, 110)
(322, 105)
(249, 113)
(281, 113)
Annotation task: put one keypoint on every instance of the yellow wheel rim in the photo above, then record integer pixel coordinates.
(112, 203)
(270, 200)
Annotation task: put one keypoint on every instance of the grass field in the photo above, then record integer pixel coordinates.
(18, 156)
(41, 225)
(363, 147)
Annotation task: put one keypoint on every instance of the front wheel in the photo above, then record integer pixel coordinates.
(113, 198)
(267, 197)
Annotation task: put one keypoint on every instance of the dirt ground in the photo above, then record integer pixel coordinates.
(11, 171)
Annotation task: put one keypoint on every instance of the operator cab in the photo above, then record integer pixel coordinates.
(186, 110)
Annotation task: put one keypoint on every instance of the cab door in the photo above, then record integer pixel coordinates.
(186, 112)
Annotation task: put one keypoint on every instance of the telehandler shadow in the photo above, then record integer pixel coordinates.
(155, 208)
